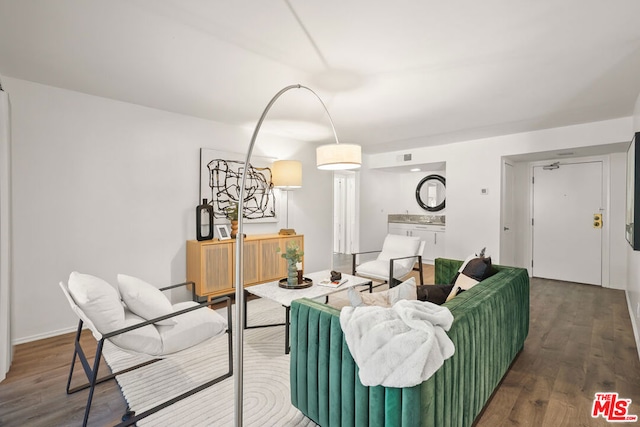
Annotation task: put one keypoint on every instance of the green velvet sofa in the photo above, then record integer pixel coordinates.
(491, 322)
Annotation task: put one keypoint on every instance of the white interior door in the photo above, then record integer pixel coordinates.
(344, 211)
(339, 189)
(507, 235)
(566, 245)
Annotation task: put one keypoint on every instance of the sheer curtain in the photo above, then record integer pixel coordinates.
(6, 350)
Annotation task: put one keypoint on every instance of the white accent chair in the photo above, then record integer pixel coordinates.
(143, 322)
(396, 260)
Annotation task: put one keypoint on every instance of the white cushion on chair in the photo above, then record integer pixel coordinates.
(396, 246)
(144, 340)
(144, 299)
(77, 310)
(377, 269)
(191, 328)
(98, 300)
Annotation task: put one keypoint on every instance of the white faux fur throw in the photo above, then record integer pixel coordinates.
(398, 346)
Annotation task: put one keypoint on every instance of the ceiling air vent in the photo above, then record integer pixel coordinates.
(403, 158)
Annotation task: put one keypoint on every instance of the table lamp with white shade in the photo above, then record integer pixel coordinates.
(286, 175)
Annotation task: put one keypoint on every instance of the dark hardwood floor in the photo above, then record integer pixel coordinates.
(580, 342)
(33, 394)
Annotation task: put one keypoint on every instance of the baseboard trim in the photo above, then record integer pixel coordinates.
(43, 336)
(634, 325)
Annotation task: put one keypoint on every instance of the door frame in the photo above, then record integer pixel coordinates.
(606, 201)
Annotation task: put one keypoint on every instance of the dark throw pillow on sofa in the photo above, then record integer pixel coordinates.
(478, 268)
(436, 294)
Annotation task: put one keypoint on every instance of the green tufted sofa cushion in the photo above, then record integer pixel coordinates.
(491, 322)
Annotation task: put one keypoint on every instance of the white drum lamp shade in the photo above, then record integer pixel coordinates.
(286, 174)
(338, 156)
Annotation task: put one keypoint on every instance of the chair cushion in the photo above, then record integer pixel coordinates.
(379, 269)
(98, 300)
(396, 246)
(191, 328)
(145, 340)
(144, 299)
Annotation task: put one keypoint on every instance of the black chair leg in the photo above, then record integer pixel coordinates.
(94, 377)
(75, 354)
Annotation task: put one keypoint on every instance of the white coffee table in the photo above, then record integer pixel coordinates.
(274, 292)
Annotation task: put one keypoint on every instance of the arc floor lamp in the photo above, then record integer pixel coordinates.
(328, 157)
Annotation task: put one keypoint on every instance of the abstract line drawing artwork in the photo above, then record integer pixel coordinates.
(223, 172)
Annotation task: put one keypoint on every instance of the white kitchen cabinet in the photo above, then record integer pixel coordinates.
(432, 235)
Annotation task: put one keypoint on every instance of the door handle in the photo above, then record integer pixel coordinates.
(506, 228)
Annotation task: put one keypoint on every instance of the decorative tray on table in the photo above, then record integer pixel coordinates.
(306, 283)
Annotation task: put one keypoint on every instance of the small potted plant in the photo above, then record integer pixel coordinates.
(293, 255)
(231, 212)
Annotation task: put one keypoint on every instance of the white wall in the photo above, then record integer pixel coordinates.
(618, 242)
(633, 261)
(383, 193)
(473, 219)
(379, 197)
(106, 187)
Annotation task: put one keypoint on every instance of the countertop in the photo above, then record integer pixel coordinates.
(417, 219)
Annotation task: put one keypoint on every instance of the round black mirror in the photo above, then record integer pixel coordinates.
(431, 193)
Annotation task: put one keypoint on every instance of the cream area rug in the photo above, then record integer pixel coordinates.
(266, 379)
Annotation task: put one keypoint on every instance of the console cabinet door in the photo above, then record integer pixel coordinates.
(270, 260)
(217, 268)
(251, 270)
(272, 265)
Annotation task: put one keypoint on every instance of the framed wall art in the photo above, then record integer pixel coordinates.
(220, 178)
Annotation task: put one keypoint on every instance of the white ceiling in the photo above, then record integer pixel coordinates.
(394, 75)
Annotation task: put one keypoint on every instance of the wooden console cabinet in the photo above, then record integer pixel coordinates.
(211, 263)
